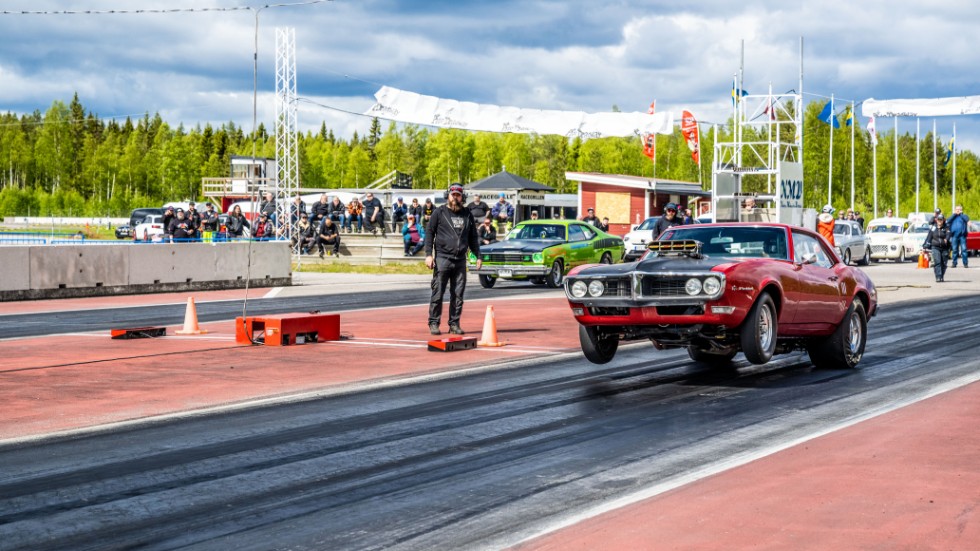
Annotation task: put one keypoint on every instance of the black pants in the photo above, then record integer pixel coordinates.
(451, 273)
(939, 259)
(335, 243)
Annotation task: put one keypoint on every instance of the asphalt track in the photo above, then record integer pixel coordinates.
(485, 459)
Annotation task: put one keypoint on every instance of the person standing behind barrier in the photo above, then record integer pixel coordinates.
(938, 243)
(168, 218)
(209, 221)
(194, 219)
(181, 227)
(959, 226)
(825, 224)
(450, 233)
(502, 212)
(237, 223)
(414, 235)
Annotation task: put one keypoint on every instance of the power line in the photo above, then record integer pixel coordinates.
(158, 10)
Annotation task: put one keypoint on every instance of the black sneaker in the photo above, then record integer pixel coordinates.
(434, 329)
(456, 330)
(321, 254)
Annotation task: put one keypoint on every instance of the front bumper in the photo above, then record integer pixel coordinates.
(510, 270)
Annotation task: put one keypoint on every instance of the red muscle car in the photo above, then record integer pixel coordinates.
(720, 289)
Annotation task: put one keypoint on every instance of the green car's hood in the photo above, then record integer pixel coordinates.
(520, 246)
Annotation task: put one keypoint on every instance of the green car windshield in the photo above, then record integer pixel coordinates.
(539, 231)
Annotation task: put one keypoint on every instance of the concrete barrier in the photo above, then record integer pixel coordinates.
(60, 271)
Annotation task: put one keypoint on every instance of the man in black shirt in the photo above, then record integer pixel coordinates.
(328, 234)
(374, 214)
(669, 219)
(450, 233)
(478, 208)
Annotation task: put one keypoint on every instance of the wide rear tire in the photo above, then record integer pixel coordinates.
(598, 346)
(710, 356)
(487, 281)
(556, 275)
(845, 347)
(759, 330)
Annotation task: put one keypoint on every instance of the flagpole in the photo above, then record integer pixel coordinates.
(851, 119)
(953, 149)
(700, 179)
(896, 166)
(935, 168)
(830, 169)
(917, 164)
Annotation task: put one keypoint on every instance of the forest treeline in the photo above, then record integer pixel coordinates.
(67, 161)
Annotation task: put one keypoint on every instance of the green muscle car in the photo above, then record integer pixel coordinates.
(543, 251)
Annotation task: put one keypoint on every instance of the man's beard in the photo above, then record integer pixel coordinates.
(454, 204)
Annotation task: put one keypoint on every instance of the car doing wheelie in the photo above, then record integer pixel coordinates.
(721, 289)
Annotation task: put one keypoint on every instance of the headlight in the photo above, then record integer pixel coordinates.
(596, 288)
(579, 288)
(711, 285)
(538, 258)
(693, 286)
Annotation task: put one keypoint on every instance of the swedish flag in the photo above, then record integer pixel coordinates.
(949, 152)
(848, 116)
(737, 94)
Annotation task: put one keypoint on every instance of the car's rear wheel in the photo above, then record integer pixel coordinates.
(758, 333)
(606, 258)
(845, 347)
(711, 356)
(555, 276)
(598, 345)
(487, 281)
(847, 256)
(867, 257)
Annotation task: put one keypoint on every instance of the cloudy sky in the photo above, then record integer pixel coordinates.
(195, 66)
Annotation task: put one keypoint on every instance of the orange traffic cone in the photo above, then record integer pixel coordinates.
(923, 260)
(190, 320)
(489, 337)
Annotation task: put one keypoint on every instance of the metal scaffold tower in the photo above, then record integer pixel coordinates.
(287, 154)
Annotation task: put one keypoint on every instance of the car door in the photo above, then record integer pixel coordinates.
(819, 296)
(580, 244)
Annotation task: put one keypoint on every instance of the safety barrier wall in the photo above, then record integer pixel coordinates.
(89, 270)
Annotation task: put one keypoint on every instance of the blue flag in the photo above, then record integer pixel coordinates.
(828, 116)
(737, 94)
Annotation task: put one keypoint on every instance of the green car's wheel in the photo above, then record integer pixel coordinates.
(598, 346)
(556, 275)
(606, 258)
(487, 281)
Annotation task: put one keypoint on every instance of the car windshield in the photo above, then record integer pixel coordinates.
(647, 224)
(884, 228)
(735, 241)
(840, 228)
(539, 231)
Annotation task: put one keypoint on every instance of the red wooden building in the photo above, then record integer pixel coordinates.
(628, 200)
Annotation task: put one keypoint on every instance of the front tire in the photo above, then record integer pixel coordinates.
(847, 256)
(758, 334)
(487, 281)
(901, 255)
(867, 257)
(845, 347)
(598, 346)
(556, 275)
(606, 258)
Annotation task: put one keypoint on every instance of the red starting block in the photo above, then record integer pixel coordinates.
(452, 344)
(287, 329)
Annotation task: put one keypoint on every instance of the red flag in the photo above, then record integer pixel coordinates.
(650, 140)
(689, 128)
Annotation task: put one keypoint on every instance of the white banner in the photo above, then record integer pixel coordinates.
(937, 107)
(409, 107)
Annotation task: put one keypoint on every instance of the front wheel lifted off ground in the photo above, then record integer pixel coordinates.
(556, 274)
(487, 281)
(845, 347)
(598, 346)
(758, 334)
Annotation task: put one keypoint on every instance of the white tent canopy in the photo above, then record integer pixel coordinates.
(409, 107)
(935, 107)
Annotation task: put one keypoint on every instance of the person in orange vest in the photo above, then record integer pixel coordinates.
(825, 224)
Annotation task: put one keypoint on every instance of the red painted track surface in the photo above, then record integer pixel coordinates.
(909, 479)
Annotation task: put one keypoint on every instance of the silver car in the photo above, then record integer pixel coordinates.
(852, 243)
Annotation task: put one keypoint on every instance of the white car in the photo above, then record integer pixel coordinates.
(891, 240)
(150, 229)
(635, 242)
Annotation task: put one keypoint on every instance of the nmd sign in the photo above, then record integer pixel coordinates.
(791, 186)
